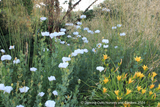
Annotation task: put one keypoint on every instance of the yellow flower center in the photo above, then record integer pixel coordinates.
(15, 58)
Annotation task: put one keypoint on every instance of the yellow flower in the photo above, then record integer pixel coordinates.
(130, 81)
(159, 86)
(139, 88)
(139, 74)
(135, 75)
(116, 92)
(154, 95)
(154, 74)
(144, 67)
(143, 91)
(105, 80)
(104, 90)
(151, 86)
(150, 93)
(158, 104)
(118, 98)
(105, 57)
(128, 91)
(118, 77)
(137, 58)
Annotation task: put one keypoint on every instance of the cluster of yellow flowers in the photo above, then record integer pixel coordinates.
(138, 75)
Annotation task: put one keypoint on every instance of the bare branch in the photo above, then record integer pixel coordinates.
(90, 6)
(69, 10)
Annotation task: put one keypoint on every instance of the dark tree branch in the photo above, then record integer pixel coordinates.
(69, 10)
(90, 6)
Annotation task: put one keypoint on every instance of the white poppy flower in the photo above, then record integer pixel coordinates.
(45, 49)
(78, 51)
(86, 28)
(78, 35)
(16, 61)
(63, 65)
(62, 30)
(85, 41)
(97, 31)
(100, 68)
(119, 25)
(8, 89)
(73, 54)
(19, 106)
(51, 78)
(89, 31)
(78, 27)
(105, 41)
(24, 89)
(37, 5)
(5, 57)
(55, 92)
(45, 33)
(79, 23)
(69, 36)
(2, 50)
(68, 44)
(94, 50)
(2, 86)
(105, 46)
(114, 27)
(11, 47)
(41, 94)
(33, 69)
(43, 18)
(62, 42)
(105, 9)
(55, 34)
(50, 103)
(99, 45)
(69, 24)
(64, 59)
(41, 3)
(75, 33)
(83, 16)
(85, 50)
(61, 33)
(116, 47)
(84, 38)
(122, 34)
